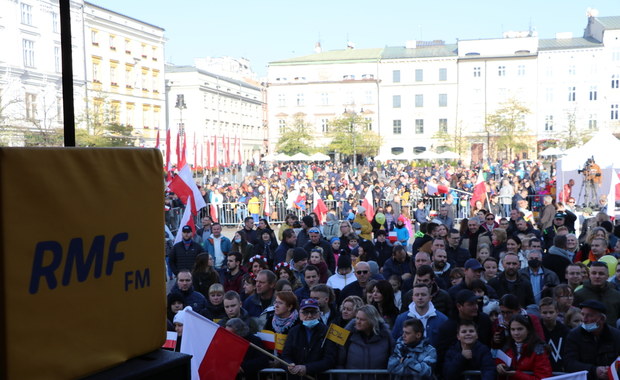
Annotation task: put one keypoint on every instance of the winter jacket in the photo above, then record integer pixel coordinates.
(231, 282)
(402, 234)
(537, 363)
(339, 281)
(584, 352)
(362, 352)
(225, 246)
(416, 363)
(431, 321)
(521, 288)
(384, 251)
(181, 258)
(245, 317)
(556, 260)
(331, 229)
(481, 360)
(556, 340)
(606, 294)
(191, 298)
(318, 354)
(366, 226)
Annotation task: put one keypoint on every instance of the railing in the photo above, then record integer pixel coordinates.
(365, 373)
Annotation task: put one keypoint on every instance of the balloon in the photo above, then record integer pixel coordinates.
(380, 217)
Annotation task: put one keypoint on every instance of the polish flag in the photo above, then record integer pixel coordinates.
(435, 188)
(268, 338)
(157, 141)
(228, 155)
(614, 191)
(186, 220)
(185, 187)
(216, 352)
(267, 208)
(612, 371)
(367, 203)
(208, 152)
(215, 162)
(480, 190)
(182, 160)
(178, 150)
(168, 149)
(195, 153)
(239, 150)
(171, 340)
(318, 206)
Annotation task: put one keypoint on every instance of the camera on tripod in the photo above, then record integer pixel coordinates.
(590, 169)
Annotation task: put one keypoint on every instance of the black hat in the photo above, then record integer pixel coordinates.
(466, 295)
(299, 254)
(594, 305)
(187, 229)
(344, 261)
(308, 221)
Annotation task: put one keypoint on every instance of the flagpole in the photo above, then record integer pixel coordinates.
(274, 357)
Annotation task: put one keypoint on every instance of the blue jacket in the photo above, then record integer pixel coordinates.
(417, 362)
(191, 298)
(402, 234)
(431, 332)
(481, 360)
(226, 246)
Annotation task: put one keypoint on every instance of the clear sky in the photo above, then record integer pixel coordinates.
(271, 30)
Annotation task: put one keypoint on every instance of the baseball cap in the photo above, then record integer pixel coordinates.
(594, 305)
(466, 295)
(309, 303)
(187, 229)
(473, 264)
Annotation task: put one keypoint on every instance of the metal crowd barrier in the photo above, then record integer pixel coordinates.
(363, 373)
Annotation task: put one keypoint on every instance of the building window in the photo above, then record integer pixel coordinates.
(324, 98)
(396, 101)
(571, 94)
(549, 95)
(419, 75)
(281, 100)
(59, 114)
(396, 127)
(614, 112)
(26, 14)
(94, 37)
(369, 97)
(501, 71)
(31, 106)
(419, 126)
(281, 126)
(112, 42)
(28, 51)
(55, 27)
(521, 70)
(396, 76)
(57, 59)
(299, 100)
(368, 123)
(443, 125)
(593, 93)
(443, 100)
(572, 70)
(127, 47)
(443, 74)
(549, 123)
(592, 122)
(419, 100)
(615, 81)
(477, 72)
(113, 76)
(324, 125)
(96, 77)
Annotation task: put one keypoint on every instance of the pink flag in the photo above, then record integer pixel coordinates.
(480, 190)
(368, 204)
(216, 352)
(319, 207)
(185, 187)
(186, 220)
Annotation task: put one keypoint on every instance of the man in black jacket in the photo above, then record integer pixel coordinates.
(183, 254)
(511, 282)
(306, 349)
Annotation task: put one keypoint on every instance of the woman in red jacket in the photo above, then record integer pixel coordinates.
(526, 351)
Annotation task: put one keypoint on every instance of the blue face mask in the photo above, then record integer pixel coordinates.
(589, 327)
(237, 241)
(311, 324)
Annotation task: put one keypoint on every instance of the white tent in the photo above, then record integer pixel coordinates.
(383, 157)
(300, 157)
(270, 157)
(448, 155)
(319, 157)
(427, 155)
(604, 148)
(281, 157)
(551, 152)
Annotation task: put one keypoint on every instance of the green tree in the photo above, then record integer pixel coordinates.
(102, 127)
(454, 140)
(574, 136)
(507, 126)
(351, 134)
(296, 137)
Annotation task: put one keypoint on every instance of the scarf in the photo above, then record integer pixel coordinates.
(283, 324)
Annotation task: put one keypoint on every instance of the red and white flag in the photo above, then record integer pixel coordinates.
(435, 188)
(171, 340)
(612, 372)
(216, 164)
(184, 186)
(267, 208)
(216, 352)
(582, 375)
(168, 152)
(186, 220)
(319, 207)
(368, 204)
(182, 159)
(239, 151)
(480, 190)
(209, 152)
(157, 141)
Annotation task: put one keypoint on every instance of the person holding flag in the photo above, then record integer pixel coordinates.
(306, 348)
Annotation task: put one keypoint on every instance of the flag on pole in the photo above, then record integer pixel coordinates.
(216, 352)
(168, 151)
(614, 191)
(171, 340)
(582, 375)
(337, 334)
(184, 186)
(612, 372)
(178, 147)
(239, 151)
(267, 208)
(228, 151)
(435, 188)
(186, 220)
(368, 204)
(157, 141)
(480, 190)
(318, 206)
(195, 153)
(208, 152)
(216, 164)
(183, 159)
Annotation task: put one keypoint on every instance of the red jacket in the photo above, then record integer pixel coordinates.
(537, 363)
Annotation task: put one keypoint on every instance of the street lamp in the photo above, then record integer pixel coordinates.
(181, 106)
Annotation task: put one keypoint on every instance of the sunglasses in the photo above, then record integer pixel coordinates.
(309, 311)
(362, 272)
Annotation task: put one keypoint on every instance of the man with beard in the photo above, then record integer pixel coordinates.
(539, 277)
(470, 238)
(511, 282)
(441, 266)
(455, 252)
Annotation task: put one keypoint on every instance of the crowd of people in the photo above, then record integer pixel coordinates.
(499, 292)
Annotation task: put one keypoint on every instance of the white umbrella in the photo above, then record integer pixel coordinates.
(447, 155)
(319, 157)
(384, 157)
(270, 157)
(551, 152)
(300, 157)
(427, 155)
(281, 157)
(403, 157)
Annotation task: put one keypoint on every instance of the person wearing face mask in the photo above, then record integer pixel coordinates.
(593, 346)
(306, 349)
(539, 277)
